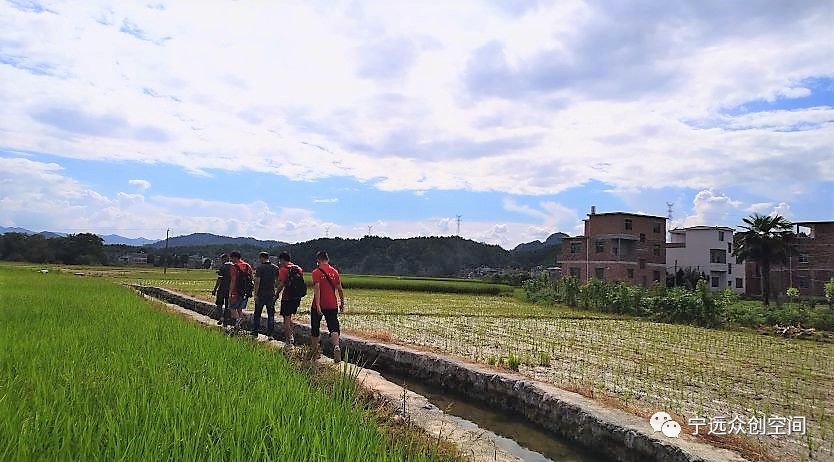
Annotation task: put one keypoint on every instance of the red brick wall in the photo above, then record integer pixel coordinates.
(810, 277)
(632, 251)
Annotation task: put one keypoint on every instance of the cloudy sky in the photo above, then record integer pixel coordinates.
(292, 120)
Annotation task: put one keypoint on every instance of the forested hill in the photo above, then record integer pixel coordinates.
(418, 256)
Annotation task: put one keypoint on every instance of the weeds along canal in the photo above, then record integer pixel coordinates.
(517, 436)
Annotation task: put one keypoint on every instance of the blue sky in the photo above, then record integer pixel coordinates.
(292, 120)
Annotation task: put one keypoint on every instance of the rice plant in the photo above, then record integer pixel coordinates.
(90, 371)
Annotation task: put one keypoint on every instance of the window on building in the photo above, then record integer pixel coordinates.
(721, 236)
(574, 271)
(615, 248)
(656, 227)
(717, 256)
(656, 250)
(642, 237)
(803, 258)
(599, 273)
(729, 268)
(729, 247)
(739, 283)
(575, 247)
(729, 283)
(600, 246)
(628, 224)
(642, 263)
(630, 273)
(655, 276)
(716, 281)
(804, 282)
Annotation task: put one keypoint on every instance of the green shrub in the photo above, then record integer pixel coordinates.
(513, 361)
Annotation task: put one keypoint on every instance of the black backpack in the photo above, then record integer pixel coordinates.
(245, 282)
(296, 287)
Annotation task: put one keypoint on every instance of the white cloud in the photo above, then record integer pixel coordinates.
(759, 207)
(330, 200)
(65, 204)
(427, 109)
(795, 92)
(512, 206)
(710, 208)
(141, 185)
(782, 209)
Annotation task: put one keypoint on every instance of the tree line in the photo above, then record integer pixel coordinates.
(73, 249)
(419, 256)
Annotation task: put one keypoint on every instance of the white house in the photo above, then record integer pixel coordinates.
(708, 250)
(136, 258)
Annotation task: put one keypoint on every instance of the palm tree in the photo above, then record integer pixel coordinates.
(766, 240)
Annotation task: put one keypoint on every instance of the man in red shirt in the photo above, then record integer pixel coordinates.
(239, 289)
(326, 283)
(290, 294)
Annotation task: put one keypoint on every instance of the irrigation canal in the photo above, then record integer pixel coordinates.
(522, 416)
(517, 436)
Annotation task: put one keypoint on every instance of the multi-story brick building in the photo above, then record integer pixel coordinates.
(707, 250)
(617, 246)
(810, 266)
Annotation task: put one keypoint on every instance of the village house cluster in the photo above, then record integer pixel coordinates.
(631, 247)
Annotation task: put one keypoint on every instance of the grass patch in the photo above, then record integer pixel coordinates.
(88, 371)
(186, 277)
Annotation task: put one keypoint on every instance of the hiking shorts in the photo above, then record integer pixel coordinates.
(240, 304)
(331, 316)
(290, 307)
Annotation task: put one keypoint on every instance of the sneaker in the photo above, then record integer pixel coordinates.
(337, 355)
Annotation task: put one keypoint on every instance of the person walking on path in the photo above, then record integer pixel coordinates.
(265, 277)
(291, 288)
(326, 283)
(221, 289)
(240, 287)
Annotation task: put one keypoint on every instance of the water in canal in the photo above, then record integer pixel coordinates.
(516, 435)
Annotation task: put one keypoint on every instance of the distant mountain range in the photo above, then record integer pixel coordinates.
(108, 239)
(368, 255)
(203, 239)
(552, 241)
(418, 256)
(189, 240)
(113, 239)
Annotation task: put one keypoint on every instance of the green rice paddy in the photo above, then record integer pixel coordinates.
(90, 371)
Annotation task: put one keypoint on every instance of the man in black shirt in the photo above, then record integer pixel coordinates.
(265, 277)
(221, 289)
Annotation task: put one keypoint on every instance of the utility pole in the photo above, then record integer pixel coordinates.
(370, 229)
(669, 206)
(167, 235)
(458, 220)
(327, 231)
